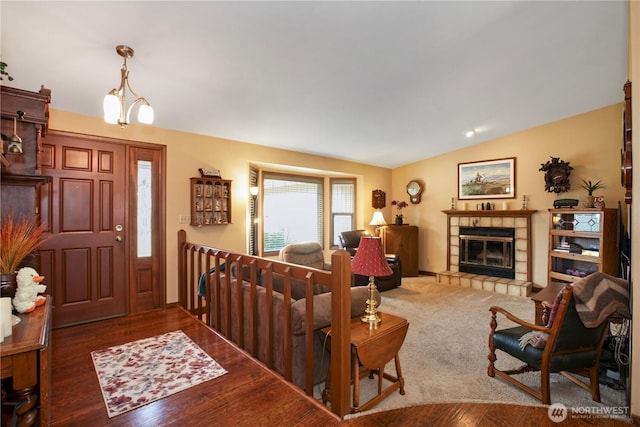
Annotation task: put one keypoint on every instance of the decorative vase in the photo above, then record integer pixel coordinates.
(8, 284)
(588, 201)
(399, 219)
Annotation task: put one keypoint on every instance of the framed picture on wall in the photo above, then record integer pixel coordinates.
(488, 179)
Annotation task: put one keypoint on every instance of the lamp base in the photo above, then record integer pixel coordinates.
(372, 319)
(371, 313)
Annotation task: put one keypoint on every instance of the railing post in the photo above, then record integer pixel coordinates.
(182, 272)
(340, 333)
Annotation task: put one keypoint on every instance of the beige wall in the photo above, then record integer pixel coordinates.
(590, 142)
(187, 152)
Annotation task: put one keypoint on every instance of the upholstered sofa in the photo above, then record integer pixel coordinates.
(321, 319)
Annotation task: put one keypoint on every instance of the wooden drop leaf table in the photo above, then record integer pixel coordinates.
(371, 349)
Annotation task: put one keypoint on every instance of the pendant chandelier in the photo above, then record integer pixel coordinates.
(115, 102)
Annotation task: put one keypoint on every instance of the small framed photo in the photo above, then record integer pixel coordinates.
(488, 179)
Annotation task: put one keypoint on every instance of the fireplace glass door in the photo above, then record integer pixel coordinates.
(488, 251)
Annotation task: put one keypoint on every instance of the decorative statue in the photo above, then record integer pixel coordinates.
(556, 178)
(27, 296)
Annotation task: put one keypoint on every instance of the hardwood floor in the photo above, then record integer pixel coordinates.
(249, 395)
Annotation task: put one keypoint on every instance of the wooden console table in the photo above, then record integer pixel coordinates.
(373, 348)
(25, 357)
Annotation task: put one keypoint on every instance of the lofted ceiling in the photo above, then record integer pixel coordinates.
(385, 83)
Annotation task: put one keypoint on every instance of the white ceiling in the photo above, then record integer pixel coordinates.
(383, 83)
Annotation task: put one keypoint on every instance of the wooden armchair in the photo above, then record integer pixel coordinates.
(570, 347)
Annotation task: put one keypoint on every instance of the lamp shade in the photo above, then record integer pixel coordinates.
(370, 259)
(111, 107)
(378, 219)
(145, 114)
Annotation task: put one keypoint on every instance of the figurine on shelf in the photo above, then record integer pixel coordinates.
(28, 296)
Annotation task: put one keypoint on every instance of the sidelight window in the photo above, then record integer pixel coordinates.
(145, 209)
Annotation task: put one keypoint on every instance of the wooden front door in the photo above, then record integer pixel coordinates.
(84, 205)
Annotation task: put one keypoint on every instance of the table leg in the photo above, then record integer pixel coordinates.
(399, 374)
(326, 393)
(26, 410)
(355, 367)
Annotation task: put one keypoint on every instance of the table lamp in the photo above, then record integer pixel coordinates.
(370, 261)
(378, 220)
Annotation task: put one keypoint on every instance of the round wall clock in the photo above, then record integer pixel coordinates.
(414, 189)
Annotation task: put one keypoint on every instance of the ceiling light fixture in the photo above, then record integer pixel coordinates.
(115, 102)
(470, 133)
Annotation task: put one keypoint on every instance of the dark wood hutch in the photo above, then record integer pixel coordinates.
(21, 176)
(26, 114)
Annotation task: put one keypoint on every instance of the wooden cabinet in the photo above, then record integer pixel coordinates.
(21, 180)
(26, 357)
(31, 113)
(582, 242)
(210, 201)
(403, 241)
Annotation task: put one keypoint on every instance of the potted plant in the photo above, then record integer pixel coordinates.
(590, 187)
(399, 206)
(18, 239)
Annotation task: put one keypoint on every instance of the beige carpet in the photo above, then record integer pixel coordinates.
(444, 356)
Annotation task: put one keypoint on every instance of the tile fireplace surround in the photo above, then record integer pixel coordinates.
(519, 220)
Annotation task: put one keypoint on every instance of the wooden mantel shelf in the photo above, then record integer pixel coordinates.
(510, 213)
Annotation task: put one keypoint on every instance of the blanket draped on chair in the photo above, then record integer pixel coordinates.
(202, 283)
(598, 296)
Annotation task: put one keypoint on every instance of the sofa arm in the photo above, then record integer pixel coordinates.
(322, 309)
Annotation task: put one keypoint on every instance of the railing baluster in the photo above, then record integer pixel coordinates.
(224, 308)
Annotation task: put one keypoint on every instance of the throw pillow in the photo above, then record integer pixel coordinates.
(554, 309)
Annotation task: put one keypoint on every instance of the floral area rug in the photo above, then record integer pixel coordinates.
(140, 372)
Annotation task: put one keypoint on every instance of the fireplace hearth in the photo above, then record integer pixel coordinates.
(490, 255)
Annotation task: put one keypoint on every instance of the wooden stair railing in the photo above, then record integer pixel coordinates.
(195, 259)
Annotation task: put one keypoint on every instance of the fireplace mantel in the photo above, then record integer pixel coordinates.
(498, 213)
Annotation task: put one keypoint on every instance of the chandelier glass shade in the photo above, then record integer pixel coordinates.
(115, 102)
